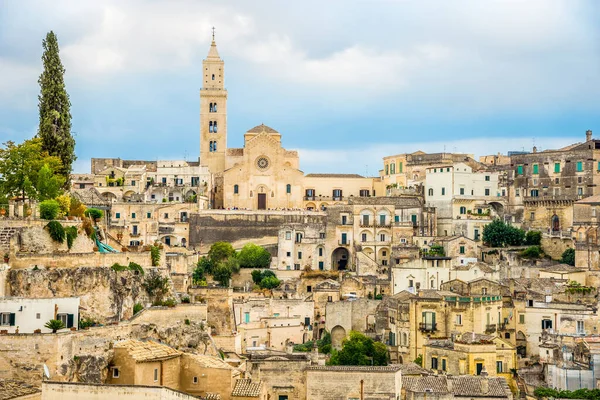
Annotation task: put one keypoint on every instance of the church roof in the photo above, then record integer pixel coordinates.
(213, 54)
(262, 128)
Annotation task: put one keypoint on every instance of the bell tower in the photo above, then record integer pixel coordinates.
(213, 111)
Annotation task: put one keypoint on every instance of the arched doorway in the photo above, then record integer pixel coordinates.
(555, 223)
(339, 259)
(338, 334)
(261, 197)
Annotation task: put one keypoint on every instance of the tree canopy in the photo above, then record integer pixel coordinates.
(55, 108)
(253, 256)
(568, 257)
(359, 349)
(500, 234)
(220, 251)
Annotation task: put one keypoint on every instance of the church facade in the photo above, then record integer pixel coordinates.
(263, 174)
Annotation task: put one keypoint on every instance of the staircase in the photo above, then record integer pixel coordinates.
(366, 264)
(5, 235)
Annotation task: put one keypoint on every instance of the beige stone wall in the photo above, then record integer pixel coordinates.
(555, 246)
(79, 391)
(328, 383)
(214, 380)
(275, 371)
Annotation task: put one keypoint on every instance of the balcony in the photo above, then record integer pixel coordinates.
(344, 243)
(428, 326)
(309, 198)
(490, 328)
(375, 243)
(136, 234)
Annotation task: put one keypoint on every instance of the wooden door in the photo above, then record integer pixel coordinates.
(262, 201)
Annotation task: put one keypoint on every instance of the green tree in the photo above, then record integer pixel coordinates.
(49, 209)
(220, 251)
(532, 252)
(499, 234)
(359, 349)
(55, 325)
(222, 273)
(253, 256)
(269, 282)
(533, 238)
(55, 108)
(205, 265)
(568, 257)
(156, 286)
(20, 167)
(48, 184)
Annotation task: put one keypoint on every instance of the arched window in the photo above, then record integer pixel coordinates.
(288, 188)
(214, 107)
(387, 169)
(210, 107)
(392, 168)
(236, 189)
(210, 126)
(555, 223)
(213, 77)
(463, 210)
(214, 146)
(215, 127)
(430, 192)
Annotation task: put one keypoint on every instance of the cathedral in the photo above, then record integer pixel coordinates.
(262, 175)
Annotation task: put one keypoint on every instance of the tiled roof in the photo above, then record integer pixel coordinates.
(474, 338)
(212, 396)
(10, 389)
(89, 196)
(431, 384)
(334, 176)
(562, 268)
(351, 368)
(209, 361)
(412, 369)
(246, 388)
(471, 386)
(262, 127)
(147, 351)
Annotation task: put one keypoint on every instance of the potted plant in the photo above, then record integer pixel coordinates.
(6, 257)
(2, 212)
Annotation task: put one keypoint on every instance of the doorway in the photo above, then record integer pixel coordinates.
(262, 201)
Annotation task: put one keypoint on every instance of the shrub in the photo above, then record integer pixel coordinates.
(499, 234)
(71, 233)
(64, 202)
(94, 214)
(137, 307)
(135, 267)
(436, 250)
(156, 286)
(49, 209)
(155, 255)
(56, 230)
(55, 325)
(86, 323)
(185, 299)
(253, 256)
(258, 276)
(270, 282)
(187, 321)
(533, 238)
(203, 267)
(220, 251)
(568, 257)
(76, 208)
(532, 252)
(118, 267)
(222, 274)
(165, 303)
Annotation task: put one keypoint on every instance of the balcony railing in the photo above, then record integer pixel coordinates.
(428, 326)
(344, 243)
(490, 328)
(134, 235)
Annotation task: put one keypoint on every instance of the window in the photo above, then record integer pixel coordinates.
(428, 322)
(443, 191)
(430, 192)
(579, 166)
(298, 237)
(462, 191)
(519, 170)
(7, 319)
(546, 324)
(149, 215)
(132, 183)
(63, 318)
(434, 363)
(556, 167)
(288, 254)
(462, 249)
(166, 215)
(443, 364)
(195, 381)
(299, 255)
(329, 299)
(484, 290)
(463, 210)
(364, 193)
(288, 236)
(344, 219)
(115, 373)
(487, 178)
(507, 335)
(387, 169)
(532, 216)
(288, 188)
(382, 219)
(246, 317)
(400, 167)
(487, 192)
(321, 265)
(536, 169)
(213, 77)
(479, 368)
(392, 168)
(458, 319)
(499, 367)
(517, 192)
(309, 289)
(337, 193)
(521, 318)
(365, 220)
(320, 252)
(132, 215)
(534, 192)
(382, 237)
(155, 374)
(580, 191)
(117, 215)
(321, 235)
(236, 189)
(38, 316)
(344, 239)
(580, 328)
(410, 283)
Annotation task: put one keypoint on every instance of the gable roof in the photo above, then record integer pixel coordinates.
(147, 351)
(246, 388)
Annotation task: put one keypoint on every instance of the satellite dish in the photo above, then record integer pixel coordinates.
(46, 372)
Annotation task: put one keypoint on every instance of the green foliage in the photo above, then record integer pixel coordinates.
(568, 257)
(55, 108)
(499, 234)
(55, 325)
(220, 251)
(323, 344)
(94, 214)
(204, 266)
(532, 252)
(233, 264)
(270, 282)
(135, 267)
(589, 394)
(137, 307)
(48, 184)
(49, 209)
(222, 273)
(359, 349)
(575, 287)
(71, 233)
(86, 323)
(155, 255)
(156, 286)
(419, 360)
(533, 238)
(165, 303)
(436, 250)
(118, 267)
(77, 208)
(187, 321)
(253, 256)
(20, 168)
(185, 300)
(265, 279)
(56, 230)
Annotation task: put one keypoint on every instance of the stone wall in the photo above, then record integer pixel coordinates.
(212, 226)
(196, 312)
(555, 246)
(77, 391)
(71, 260)
(352, 382)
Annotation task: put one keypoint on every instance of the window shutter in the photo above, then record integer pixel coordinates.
(11, 319)
(70, 320)
(433, 319)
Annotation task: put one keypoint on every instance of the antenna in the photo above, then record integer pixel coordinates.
(46, 372)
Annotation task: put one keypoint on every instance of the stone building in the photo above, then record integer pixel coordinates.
(586, 229)
(90, 391)
(26, 315)
(455, 387)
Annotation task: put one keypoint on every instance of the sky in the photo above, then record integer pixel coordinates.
(346, 82)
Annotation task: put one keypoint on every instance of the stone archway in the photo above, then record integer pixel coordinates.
(340, 258)
(338, 334)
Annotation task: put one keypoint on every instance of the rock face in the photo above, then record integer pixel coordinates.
(106, 296)
(86, 369)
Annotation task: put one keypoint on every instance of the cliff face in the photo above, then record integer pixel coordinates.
(106, 296)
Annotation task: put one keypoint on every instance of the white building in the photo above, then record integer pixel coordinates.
(27, 315)
(466, 200)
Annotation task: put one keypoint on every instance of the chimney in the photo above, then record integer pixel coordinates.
(485, 383)
(534, 149)
(588, 135)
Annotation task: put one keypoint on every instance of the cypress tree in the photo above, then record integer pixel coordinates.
(55, 108)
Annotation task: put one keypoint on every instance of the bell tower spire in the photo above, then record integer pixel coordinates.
(213, 111)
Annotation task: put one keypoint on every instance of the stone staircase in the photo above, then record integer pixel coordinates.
(5, 235)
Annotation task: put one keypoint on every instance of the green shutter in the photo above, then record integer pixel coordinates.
(70, 318)
(433, 320)
(11, 319)
(557, 167)
(520, 170)
(400, 167)
(535, 169)
(579, 166)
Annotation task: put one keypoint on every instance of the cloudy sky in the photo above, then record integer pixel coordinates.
(345, 81)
